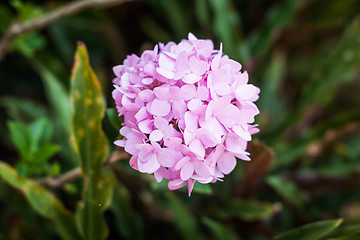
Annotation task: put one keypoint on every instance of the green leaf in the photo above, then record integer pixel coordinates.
(344, 232)
(219, 231)
(276, 18)
(22, 109)
(21, 138)
(202, 188)
(115, 120)
(27, 44)
(45, 152)
(26, 10)
(310, 231)
(287, 190)
(61, 111)
(248, 210)
(42, 201)
(226, 24)
(40, 132)
(5, 17)
(57, 95)
(184, 220)
(338, 66)
(128, 222)
(91, 145)
(355, 236)
(272, 108)
(176, 16)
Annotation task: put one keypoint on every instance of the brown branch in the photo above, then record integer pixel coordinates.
(314, 182)
(59, 181)
(18, 28)
(331, 136)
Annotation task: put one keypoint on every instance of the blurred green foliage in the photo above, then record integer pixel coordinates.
(303, 177)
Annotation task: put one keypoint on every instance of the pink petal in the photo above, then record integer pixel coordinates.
(191, 78)
(158, 176)
(215, 64)
(117, 70)
(214, 126)
(176, 184)
(194, 104)
(229, 116)
(253, 129)
(181, 163)
(184, 46)
(182, 61)
(222, 103)
(246, 91)
(144, 147)
(189, 136)
(235, 66)
(172, 56)
(187, 171)
(222, 89)
(179, 108)
(209, 110)
(131, 142)
(207, 137)
(133, 162)
(125, 82)
(202, 93)
(234, 143)
(244, 78)
(125, 130)
(166, 62)
(149, 69)
(120, 143)
(214, 156)
(150, 166)
(164, 173)
(156, 135)
(226, 162)
(243, 156)
(163, 92)
(142, 114)
(191, 183)
(160, 108)
(160, 123)
(146, 95)
(191, 120)
(128, 104)
(244, 134)
(147, 80)
(198, 67)
(175, 93)
(166, 157)
(172, 141)
(165, 73)
(197, 147)
(202, 169)
(146, 126)
(188, 91)
(191, 37)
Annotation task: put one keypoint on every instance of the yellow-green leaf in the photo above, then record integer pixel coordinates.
(248, 210)
(90, 143)
(310, 231)
(42, 201)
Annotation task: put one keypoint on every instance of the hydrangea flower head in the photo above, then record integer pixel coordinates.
(188, 112)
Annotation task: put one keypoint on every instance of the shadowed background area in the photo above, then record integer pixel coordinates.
(304, 55)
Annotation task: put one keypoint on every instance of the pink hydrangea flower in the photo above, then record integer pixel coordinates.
(188, 111)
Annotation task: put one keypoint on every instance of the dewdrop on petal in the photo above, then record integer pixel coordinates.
(188, 112)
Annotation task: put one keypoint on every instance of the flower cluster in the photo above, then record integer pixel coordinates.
(187, 112)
